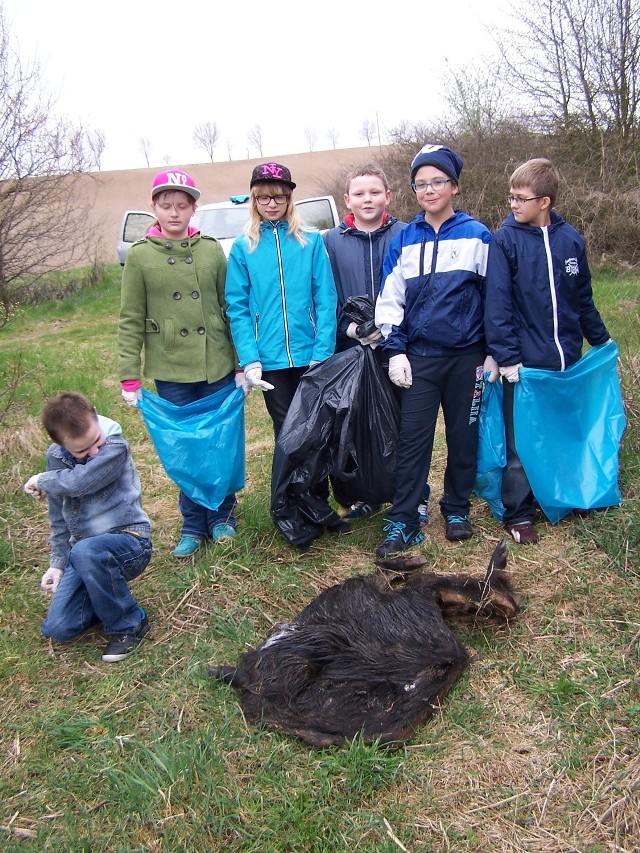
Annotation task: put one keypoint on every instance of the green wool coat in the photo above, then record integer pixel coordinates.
(172, 307)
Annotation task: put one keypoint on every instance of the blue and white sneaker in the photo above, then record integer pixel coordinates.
(423, 513)
(399, 538)
(360, 509)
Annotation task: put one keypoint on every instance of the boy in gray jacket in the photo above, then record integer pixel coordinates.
(100, 535)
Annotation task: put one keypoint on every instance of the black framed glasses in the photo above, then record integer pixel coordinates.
(283, 198)
(436, 184)
(514, 199)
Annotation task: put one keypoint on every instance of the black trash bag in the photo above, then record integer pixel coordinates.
(343, 422)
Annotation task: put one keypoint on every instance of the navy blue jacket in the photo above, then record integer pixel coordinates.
(356, 260)
(432, 298)
(539, 303)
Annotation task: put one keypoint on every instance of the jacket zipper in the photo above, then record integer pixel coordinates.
(287, 342)
(552, 291)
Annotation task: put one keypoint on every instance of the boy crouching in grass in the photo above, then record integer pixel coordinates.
(100, 535)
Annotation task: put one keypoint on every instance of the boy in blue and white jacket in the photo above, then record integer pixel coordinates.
(431, 314)
(539, 308)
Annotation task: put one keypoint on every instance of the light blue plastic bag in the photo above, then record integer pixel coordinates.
(492, 449)
(200, 445)
(568, 426)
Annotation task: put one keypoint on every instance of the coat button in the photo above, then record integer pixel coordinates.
(188, 259)
(171, 261)
(185, 244)
(184, 333)
(201, 330)
(177, 295)
(168, 245)
(195, 294)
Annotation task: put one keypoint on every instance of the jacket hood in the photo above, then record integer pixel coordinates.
(510, 222)
(349, 224)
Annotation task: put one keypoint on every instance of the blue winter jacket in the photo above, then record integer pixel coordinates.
(432, 297)
(281, 299)
(539, 303)
(356, 260)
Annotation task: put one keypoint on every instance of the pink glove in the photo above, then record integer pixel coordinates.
(490, 366)
(400, 371)
(131, 391)
(511, 373)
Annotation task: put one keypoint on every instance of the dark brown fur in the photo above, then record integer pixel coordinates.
(369, 656)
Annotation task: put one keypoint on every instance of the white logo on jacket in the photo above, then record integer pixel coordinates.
(571, 266)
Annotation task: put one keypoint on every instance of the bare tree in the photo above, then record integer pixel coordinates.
(96, 142)
(332, 136)
(166, 159)
(206, 136)
(41, 160)
(145, 148)
(476, 100)
(582, 60)
(229, 149)
(367, 131)
(311, 135)
(254, 138)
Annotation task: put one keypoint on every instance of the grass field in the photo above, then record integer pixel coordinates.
(535, 748)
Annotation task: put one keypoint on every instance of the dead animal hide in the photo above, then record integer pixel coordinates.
(369, 656)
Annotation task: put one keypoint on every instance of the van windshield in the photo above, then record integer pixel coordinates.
(223, 223)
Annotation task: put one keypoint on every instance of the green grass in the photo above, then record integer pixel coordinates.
(536, 748)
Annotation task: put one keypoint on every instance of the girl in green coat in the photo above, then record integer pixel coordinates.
(172, 308)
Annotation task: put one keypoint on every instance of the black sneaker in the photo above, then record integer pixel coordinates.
(360, 509)
(399, 538)
(457, 528)
(120, 645)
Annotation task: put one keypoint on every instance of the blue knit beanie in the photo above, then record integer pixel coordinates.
(441, 157)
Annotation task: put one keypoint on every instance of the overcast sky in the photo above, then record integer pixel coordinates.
(138, 69)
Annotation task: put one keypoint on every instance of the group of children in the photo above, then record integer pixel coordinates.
(453, 304)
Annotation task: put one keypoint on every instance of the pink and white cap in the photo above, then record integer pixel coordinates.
(174, 179)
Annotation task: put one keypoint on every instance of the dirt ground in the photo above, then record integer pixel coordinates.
(109, 194)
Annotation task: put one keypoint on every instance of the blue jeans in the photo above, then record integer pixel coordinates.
(94, 587)
(198, 521)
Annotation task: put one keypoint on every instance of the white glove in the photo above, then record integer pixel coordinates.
(511, 373)
(255, 380)
(351, 331)
(131, 397)
(31, 487)
(372, 340)
(50, 580)
(490, 366)
(400, 371)
(241, 382)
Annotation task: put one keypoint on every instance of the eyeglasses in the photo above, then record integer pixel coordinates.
(514, 199)
(279, 199)
(436, 184)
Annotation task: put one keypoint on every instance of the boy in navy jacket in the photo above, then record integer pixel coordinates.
(539, 307)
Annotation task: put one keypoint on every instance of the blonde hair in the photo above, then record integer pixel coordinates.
(540, 174)
(362, 170)
(252, 229)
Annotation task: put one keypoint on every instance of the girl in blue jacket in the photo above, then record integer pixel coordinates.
(281, 297)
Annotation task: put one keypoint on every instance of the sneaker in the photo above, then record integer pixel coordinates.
(423, 513)
(523, 533)
(187, 546)
(222, 532)
(399, 538)
(121, 645)
(360, 509)
(457, 528)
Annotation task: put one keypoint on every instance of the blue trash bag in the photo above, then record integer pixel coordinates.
(568, 426)
(492, 449)
(200, 445)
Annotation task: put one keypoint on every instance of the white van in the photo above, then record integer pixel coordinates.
(224, 220)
